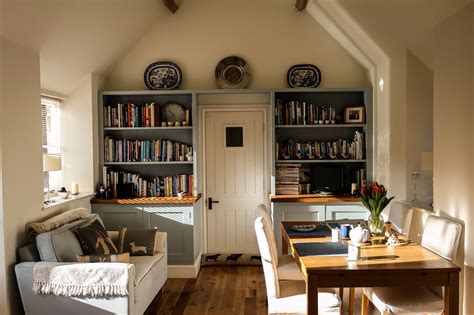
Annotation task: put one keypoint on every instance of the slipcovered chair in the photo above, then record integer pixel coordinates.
(400, 215)
(419, 299)
(287, 297)
(287, 268)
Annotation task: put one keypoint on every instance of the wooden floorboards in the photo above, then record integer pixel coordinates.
(220, 290)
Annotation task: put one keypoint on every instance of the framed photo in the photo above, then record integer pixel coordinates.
(354, 115)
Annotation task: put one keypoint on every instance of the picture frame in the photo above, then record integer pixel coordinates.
(354, 115)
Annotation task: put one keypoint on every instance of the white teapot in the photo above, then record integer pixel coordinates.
(359, 235)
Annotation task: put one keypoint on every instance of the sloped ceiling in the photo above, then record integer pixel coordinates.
(77, 37)
(396, 24)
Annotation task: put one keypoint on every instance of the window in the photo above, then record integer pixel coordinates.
(234, 137)
(51, 134)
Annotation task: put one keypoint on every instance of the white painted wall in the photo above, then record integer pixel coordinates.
(453, 133)
(20, 122)
(419, 122)
(271, 38)
(3, 289)
(21, 193)
(80, 135)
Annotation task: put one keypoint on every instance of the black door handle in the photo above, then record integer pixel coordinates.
(210, 202)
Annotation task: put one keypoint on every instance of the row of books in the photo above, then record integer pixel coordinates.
(292, 179)
(302, 113)
(131, 115)
(126, 150)
(159, 186)
(339, 149)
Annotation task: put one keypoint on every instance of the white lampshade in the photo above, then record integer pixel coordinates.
(51, 162)
(427, 161)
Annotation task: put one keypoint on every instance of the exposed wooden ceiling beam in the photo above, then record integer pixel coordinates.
(301, 4)
(171, 5)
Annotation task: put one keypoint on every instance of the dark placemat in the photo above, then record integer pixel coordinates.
(320, 231)
(321, 249)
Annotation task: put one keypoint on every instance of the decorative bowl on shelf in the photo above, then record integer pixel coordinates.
(63, 194)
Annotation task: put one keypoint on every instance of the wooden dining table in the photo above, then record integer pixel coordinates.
(406, 265)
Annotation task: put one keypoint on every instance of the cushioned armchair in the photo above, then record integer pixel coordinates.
(146, 276)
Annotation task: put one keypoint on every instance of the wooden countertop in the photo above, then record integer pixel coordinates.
(149, 200)
(312, 198)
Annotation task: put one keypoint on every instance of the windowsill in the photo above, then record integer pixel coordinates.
(56, 201)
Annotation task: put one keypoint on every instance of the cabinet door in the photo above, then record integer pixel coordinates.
(177, 222)
(114, 216)
(295, 212)
(340, 212)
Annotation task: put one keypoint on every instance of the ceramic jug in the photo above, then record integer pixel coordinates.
(358, 235)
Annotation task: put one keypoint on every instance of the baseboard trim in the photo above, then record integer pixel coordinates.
(185, 271)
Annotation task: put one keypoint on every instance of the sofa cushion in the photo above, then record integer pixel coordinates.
(33, 229)
(143, 265)
(94, 239)
(137, 242)
(29, 252)
(61, 245)
(120, 258)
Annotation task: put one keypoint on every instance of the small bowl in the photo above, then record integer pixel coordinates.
(63, 195)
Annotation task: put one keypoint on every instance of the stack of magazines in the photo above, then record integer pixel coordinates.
(292, 179)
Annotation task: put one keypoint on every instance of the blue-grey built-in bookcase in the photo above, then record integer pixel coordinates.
(182, 219)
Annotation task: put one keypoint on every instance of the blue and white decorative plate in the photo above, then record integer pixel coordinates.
(163, 75)
(303, 76)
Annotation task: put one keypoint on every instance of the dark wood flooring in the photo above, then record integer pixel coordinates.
(220, 290)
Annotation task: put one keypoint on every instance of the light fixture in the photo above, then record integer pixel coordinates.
(426, 165)
(427, 161)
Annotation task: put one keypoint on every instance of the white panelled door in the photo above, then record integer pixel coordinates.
(235, 168)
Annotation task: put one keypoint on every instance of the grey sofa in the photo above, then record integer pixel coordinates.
(147, 275)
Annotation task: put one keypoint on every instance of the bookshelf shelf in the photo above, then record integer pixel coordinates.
(320, 161)
(294, 136)
(150, 144)
(148, 128)
(149, 163)
(323, 126)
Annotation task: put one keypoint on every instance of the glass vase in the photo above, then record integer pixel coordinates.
(376, 224)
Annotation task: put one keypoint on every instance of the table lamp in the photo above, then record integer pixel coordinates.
(51, 163)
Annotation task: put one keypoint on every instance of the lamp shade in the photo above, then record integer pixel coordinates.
(427, 161)
(51, 162)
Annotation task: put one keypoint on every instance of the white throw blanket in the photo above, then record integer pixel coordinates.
(81, 279)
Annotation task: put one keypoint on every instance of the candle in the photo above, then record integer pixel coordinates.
(74, 188)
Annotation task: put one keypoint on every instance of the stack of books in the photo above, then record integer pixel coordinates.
(159, 186)
(131, 115)
(126, 150)
(292, 179)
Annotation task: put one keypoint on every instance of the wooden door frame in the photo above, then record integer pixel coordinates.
(203, 109)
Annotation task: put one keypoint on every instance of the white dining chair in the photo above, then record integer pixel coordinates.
(287, 268)
(426, 300)
(400, 215)
(287, 296)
